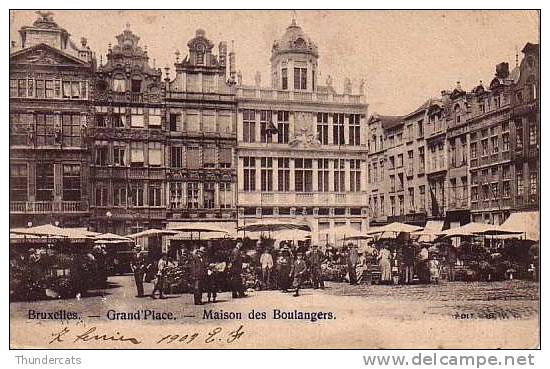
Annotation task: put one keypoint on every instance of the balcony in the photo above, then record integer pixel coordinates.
(48, 207)
(126, 172)
(258, 199)
(249, 92)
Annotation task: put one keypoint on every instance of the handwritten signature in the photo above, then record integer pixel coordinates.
(93, 334)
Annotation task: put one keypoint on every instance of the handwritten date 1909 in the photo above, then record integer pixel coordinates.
(214, 335)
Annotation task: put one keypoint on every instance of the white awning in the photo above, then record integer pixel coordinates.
(526, 222)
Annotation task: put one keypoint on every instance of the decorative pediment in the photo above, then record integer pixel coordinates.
(43, 54)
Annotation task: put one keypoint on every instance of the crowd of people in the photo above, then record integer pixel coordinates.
(289, 267)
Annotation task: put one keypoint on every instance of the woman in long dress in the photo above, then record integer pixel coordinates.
(384, 263)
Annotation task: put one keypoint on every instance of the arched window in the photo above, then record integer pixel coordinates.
(119, 83)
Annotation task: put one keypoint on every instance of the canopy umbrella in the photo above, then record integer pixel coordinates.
(153, 232)
(49, 230)
(271, 225)
(111, 237)
(112, 242)
(291, 234)
(205, 231)
(343, 233)
(395, 227)
(470, 229)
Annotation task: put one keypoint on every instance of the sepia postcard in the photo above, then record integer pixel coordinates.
(311, 179)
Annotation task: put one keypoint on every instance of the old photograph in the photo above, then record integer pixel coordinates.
(275, 179)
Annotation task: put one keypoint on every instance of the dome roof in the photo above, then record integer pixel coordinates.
(294, 40)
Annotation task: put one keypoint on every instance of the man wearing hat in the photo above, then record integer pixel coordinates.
(235, 271)
(298, 272)
(352, 259)
(199, 266)
(137, 264)
(284, 267)
(316, 258)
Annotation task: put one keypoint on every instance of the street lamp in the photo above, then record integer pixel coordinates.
(109, 215)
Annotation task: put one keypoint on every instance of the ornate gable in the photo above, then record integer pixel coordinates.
(46, 55)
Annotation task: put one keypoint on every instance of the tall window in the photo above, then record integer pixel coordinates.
(422, 194)
(355, 129)
(18, 182)
(322, 175)
(411, 198)
(155, 194)
(266, 174)
(484, 147)
(339, 175)
(174, 122)
(420, 130)
(209, 157)
(225, 157)
(322, 128)
(44, 182)
(303, 175)
(473, 150)
(226, 197)
(137, 157)
(71, 130)
(136, 119)
(284, 76)
(118, 117)
(71, 182)
(338, 129)
(249, 166)
(192, 195)
(532, 132)
(282, 126)
(519, 180)
(265, 119)
(300, 78)
(392, 203)
(249, 126)
(193, 157)
(176, 157)
(392, 183)
(136, 194)
(410, 162)
(119, 84)
(120, 196)
(505, 141)
(101, 153)
(45, 130)
(176, 195)
(382, 210)
(283, 174)
(355, 175)
(101, 194)
(494, 144)
(208, 195)
(533, 185)
(155, 154)
(519, 134)
(119, 154)
(421, 159)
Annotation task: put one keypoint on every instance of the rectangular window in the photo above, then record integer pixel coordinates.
(422, 200)
(283, 174)
(120, 195)
(410, 163)
(174, 124)
(71, 182)
(411, 199)
(392, 203)
(71, 130)
(505, 142)
(484, 147)
(18, 182)
(209, 156)
(338, 129)
(494, 144)
(155, 120)
(119, 155)
(300, 78)
(176, 195)
(303, 175)
(101, 154)
(399, 160)
(282, 127)
(40, 89)
(421, 160)
(249, 168)
(519, 134)
(265, 121)
(208, 194)
(474, 193)
(118, 117)
(13, 88)
(506, 189)
(44, 182)
(392, 183)
(249, 126)
(323, 175)
(137, 156)
(101, 195)
(473, 150)
(226, 195)
(519, 180)
(45, 130)
(101, 120)
(533, 184)
(339, 175)
(420, 130)
(266, 174)
(136, 121)
(49, 89)
(176, 157)
(355, 129)
(322, 128)
(155, 193)
(355, 175)
(225, 157)
(284, 76)
(136, 195)
(532, 133)
(382, 207)
(192, 195)
(193, 158)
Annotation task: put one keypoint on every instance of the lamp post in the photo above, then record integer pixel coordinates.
(109, 216)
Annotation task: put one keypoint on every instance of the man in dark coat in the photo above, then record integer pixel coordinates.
(199, 266)
(138, 266)
(235, 271)
(298, 272)
(408, 262)
(284, 266)
(352, 259)
(316, 258)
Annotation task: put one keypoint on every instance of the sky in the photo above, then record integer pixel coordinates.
(405, 57)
